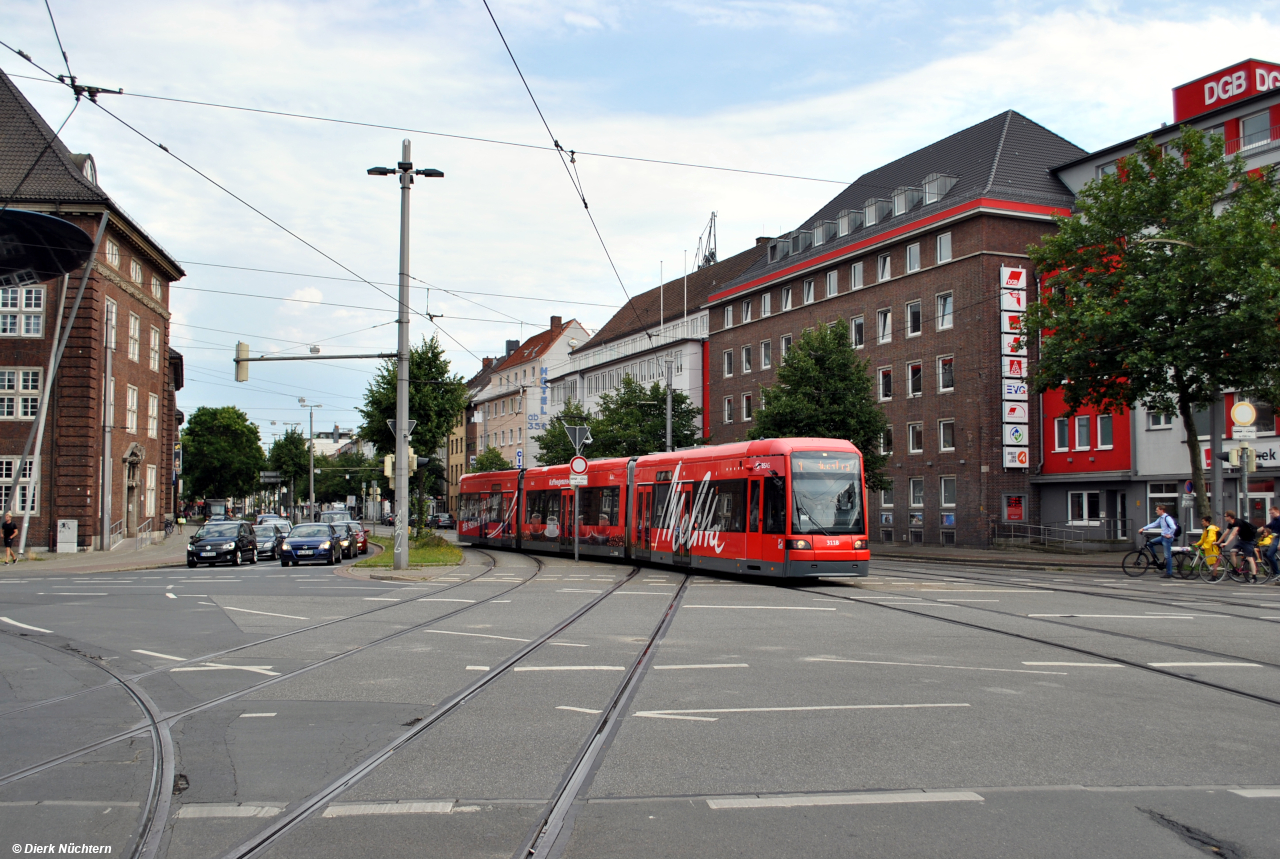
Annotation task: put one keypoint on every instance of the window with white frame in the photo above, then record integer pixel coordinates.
(915, 378)
(728, 362)
(1155, 420)
(917, 492)
(884, 325)
(886, 383)
(945, 310)
(153, 415)
(135, 271)
(886, 441)
(156, 290)
(1255, 130)
(766, 304)
(151, 490)
(857, 332)
(766, 354)
(1104, 432)
(947, 434)
(946, 492)
(915, 318)
(1083, 440)
(135, 335)
(915, 438)
(131, 409)
(886, 494)
(728, 410)
(113, 254)
(913, 257)
(21, 305)
(855, 276)
(19, 393)
(884, 271)
(746, 407)
(1061, 434)
(808, 291)
(946, 374)
(746, 310)
(154, 353)
(1084, 508)
(786, 298)
(28, 487)
(833, 284)
(944, 247)
(746, 359)
(785, 344)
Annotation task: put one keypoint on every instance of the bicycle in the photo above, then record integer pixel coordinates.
(1193, 565)
(1238, 568)
(168, 526)
(1137, 562)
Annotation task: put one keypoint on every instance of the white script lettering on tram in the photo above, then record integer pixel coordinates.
(690, 529)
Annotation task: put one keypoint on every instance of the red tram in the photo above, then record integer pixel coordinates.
(781, 507)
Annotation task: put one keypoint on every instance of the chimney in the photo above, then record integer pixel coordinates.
(486, 363)
(763, 240)
(512, 345)
(555, 322)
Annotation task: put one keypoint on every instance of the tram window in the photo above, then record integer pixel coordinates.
(729, 501)
(775, 506)
(661, 492)
(598, 507)
(753, 508)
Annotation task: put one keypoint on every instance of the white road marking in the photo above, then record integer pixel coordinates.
(24, 626)
(352, 809)
(577, 591)
(927, 665)
(171, 595)
(439, 599)
(477, 667)
(707, 665)
(475, 635)
(212, 809)
(1204, 665)
(1123, 616)
(775, 607)
(842, 799)
(978, 591)
(566, 644)
(212, 666)
(256, 715)
(161, 655)
(77, 594)
(682, 714)
(1257, 792)
(580, 710)
(382, 599)
(941, 599)
(1080, 664)
(570, 668)
(268, 613)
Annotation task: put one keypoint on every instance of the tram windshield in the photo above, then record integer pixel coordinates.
(826, 492)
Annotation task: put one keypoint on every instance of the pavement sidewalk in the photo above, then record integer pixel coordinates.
(123, 558)
(1019, 559)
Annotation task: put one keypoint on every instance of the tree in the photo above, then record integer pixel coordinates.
(554, 446)
(632, 422)
(222, 453)
(490, 459)
(1151, 295)
(824, 390)
(288, 455)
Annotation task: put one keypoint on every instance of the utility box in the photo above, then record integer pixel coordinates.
(68, 535)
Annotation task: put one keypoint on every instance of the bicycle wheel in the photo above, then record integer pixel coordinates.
(1238, 570)
(1213, 573)
(1187, 565)
(1136, 563)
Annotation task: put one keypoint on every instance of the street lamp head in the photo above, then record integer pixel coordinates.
(381, 171)
(302, 401)
(315, 350)
(430, 173)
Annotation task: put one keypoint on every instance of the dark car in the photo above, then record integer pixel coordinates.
(446, 521)
(270, 537)
(359, 537)
(223, 542)
(311, 541)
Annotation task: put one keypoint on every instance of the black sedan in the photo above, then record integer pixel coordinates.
(311, 541)
(223, 542)
(270, 537)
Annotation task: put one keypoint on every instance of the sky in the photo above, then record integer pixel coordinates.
(819, 91)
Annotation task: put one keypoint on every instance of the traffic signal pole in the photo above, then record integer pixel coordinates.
(401, 559)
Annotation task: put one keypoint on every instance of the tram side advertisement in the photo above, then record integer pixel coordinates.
(1015, 426)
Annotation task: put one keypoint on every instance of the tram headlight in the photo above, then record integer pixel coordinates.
(799, 544)
(859, 544)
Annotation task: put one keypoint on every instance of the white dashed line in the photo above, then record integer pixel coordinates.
(207, 810)
(1079, 664)
(161, 655)
(580, 710)
(774, 607)
(1204, 665)
(708, 665)
(570, 668)
(685, 714)
(268, 613)
(842, 799)
(927, 665)
(256, 715)
(24, 626)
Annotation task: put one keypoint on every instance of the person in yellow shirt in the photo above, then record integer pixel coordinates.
(1208, 542)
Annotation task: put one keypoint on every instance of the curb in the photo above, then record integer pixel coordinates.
(1034, 566)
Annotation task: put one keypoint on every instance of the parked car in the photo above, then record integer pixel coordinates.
(223, 542)
(270, 537)
(311, 541)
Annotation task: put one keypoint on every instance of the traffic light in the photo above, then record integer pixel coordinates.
(242, 365)
(413, 461)
(389, 466)
(1250, 459)
(1231, 457)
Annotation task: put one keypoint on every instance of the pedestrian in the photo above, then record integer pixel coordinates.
(1270, 554)
(1243, 531)
(1168, 530)
(10, 529)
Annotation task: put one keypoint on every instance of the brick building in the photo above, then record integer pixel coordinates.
(912, 256)
(124, 309)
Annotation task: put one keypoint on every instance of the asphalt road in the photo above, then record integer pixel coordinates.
(601, 710)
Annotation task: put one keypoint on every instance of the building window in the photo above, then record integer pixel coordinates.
(728, 410)
(915, 319)
(766, 354)
(857, 332)
(135, 336)
(915, 379)
(917, 492)
(915, 438)
(1159, 421)
(945, 317)
(153, 415)
(746, 359)
(786, 345)
(1061, 434)
(944, 247)
(728, 316)
(131, 409)
(21, 306)
(728, 362)
(746, 310)
(786, 298)
(1255, 130)
(766, 304)
(28, 495)
(1111, 167)
(1084, 508)
(1083, 442)
(913, 257)
(833, 281)
(947, 434)
(746, 407)
(947, 492)
(155, 349)
(886, 494)
(808, 291)
(113, 254)
(886, 441)
(884, 326)
(19, 393)
(156, 288)
(855, 276)
(151, 491)
(946, 374)
(884, 272)
(886, 383)
(135, 271)
(1104, 432)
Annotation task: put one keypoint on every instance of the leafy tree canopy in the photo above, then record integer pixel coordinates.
(436, 398)
(824, 390)
(554, 446)
(222, 453)
(490, 459)
(288, 455)
(1164, 289)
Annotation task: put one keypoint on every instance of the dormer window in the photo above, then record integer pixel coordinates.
(936, 186)
(869, 210)
(906, 199)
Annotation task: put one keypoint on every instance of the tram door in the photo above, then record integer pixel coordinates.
(510, 522)
(683, 499)
(642, 519)
(753, 521)
(773, 524)
(568, 516)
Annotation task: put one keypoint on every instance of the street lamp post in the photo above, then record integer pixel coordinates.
(404, 170)
(311, 446)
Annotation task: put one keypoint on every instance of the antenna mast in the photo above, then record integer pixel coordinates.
(707, 244)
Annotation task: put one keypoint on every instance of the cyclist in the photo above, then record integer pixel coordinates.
(1168, 530)
(1244, 531)
(1208, 542)
(1270, 554)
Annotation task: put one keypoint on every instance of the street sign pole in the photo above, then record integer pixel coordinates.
(579, 436)
(575, 524)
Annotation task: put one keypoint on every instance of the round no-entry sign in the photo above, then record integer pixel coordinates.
(578, 465)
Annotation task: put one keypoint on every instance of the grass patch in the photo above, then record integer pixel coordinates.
(440, 553)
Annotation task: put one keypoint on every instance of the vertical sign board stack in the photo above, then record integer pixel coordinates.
(1015, 426)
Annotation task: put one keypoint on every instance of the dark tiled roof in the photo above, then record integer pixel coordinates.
(642, 313)
(534, 346)
(56, 178)
(1007, 156)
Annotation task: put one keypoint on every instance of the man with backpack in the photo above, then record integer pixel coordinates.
(1244, 531)
(1169, 529)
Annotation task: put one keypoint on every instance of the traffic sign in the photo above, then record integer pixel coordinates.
(392, 425)
(579, 436)
(578, 471)
(1243, 413)
(1240, 431)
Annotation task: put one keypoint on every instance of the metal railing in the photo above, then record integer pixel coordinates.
(144, 535)
(1094, 535)
(116, 535)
